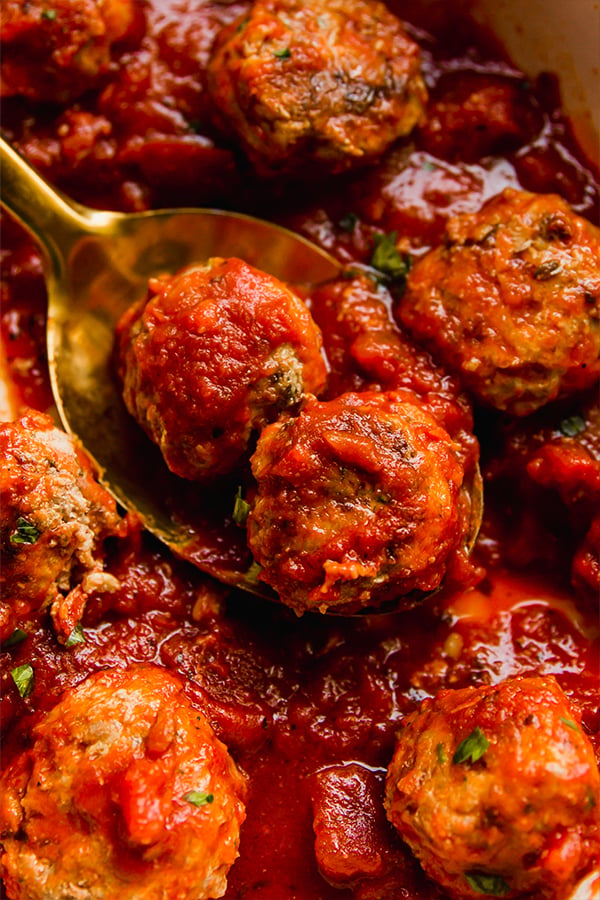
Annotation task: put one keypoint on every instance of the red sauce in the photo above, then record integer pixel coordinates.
(299, 700)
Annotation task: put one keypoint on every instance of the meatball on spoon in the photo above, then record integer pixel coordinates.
(97, 264)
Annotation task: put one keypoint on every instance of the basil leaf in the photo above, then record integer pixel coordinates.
(198, 798)
(492, 885)
(472, 748)
(25, 533)
(23, 678)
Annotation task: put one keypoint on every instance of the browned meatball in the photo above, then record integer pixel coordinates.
(305, 82)
(125, 793)
(57, 50)
(510, 301)
(55, 519)
(357, 501)
(496, 790)
(212, 354)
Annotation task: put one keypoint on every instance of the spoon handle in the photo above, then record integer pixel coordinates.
(51, 219)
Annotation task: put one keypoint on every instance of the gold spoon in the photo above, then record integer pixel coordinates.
(97, 263)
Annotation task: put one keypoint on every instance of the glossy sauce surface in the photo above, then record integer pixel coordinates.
(309, 706)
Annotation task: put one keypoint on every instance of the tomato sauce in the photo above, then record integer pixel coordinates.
(308, 706)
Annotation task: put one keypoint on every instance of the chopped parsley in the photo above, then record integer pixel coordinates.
(198, 798)
(388, 260)
(253, 572)
(24, 533)
(49, 15)
(17, 637)
(76, 637)
(282, 54)
(570, 724)
(241, 508)
(472, 748)
(572, 426)
(441, 754)
(492, 885)
(23, 678)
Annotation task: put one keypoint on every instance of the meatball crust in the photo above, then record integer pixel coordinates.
(496, 789)
(323, 82)
(510, 302)
(212, 354)
(56, 51)
(55, 519)
(125, 792)
(357, 501)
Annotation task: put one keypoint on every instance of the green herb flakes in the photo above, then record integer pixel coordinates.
(572, 426)
(387, 259)
(282, 54)
(17, 637)
(24, 533)
(441, 754)
(23, 678)
(492, 885)
(472, 748)
(76, 637)
(570, 724)
(253, 572)
(241, 508)
(348, 222)
(49, 15)
(198, 798)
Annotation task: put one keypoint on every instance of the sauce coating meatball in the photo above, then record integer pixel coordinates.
(212, 354)
(496, 790)
(357, 501)
(125, 792)
(510, 302)
(323, 81)
(55, 518)
(56, 51)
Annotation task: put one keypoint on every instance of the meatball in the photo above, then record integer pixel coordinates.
(56, 51)
(496, 790)
(55, 519)
(125, 792)
(319, 84)
(212, 354)
(357, 501)
(510, 302)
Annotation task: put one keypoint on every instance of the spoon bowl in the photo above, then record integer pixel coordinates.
(97, 263)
